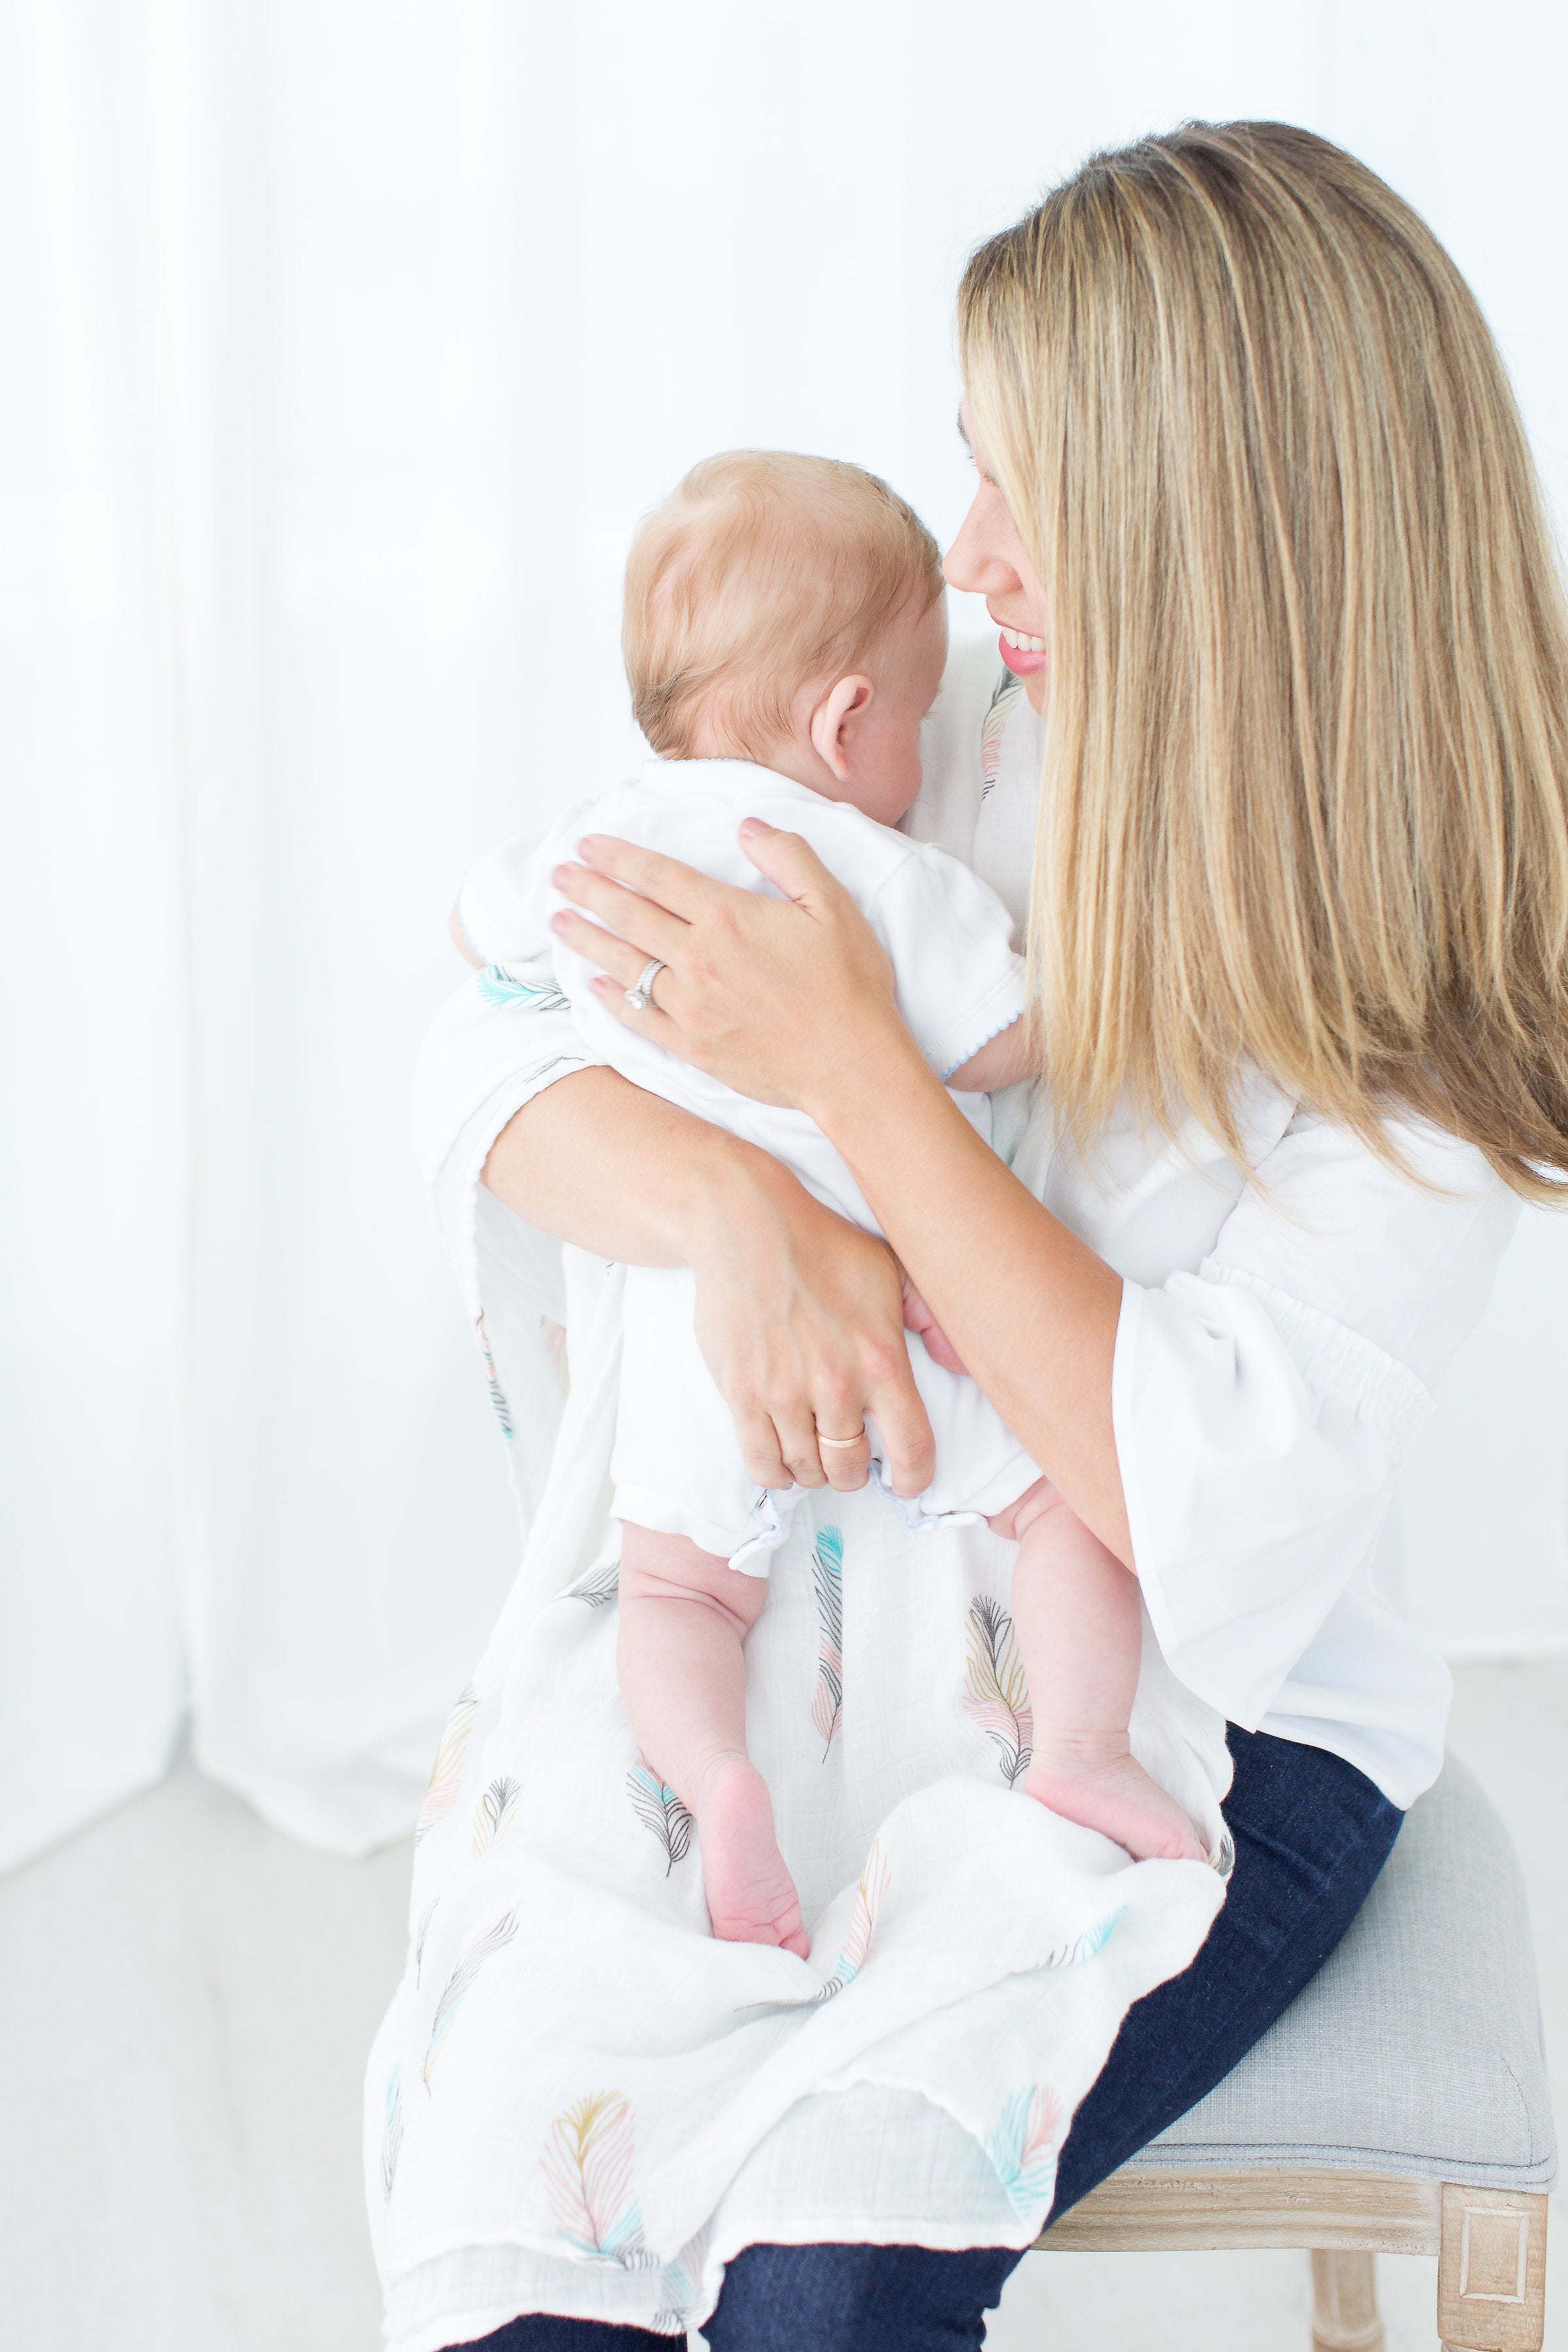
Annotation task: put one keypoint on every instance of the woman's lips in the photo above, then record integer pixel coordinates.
(1020, 660)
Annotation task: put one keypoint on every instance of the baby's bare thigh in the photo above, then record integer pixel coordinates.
(660, 1567)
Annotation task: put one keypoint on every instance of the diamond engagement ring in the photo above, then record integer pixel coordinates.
(640, 997)
(859, 1433)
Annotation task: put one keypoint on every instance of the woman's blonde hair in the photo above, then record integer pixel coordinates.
(763, 572)
(1305, 801)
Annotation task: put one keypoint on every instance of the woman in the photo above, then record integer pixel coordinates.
(1255, 518)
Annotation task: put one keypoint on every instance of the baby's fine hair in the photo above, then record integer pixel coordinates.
(761, 573)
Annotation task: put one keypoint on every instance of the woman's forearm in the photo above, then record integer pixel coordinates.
(1030, 1308)
(799, 1313)
(600, 1163)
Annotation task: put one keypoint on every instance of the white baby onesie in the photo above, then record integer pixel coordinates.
(677, 1464)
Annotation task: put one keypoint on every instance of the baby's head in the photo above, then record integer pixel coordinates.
(788, 610)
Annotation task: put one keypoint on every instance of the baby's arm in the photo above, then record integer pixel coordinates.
(461, 940)
(1002, 1061)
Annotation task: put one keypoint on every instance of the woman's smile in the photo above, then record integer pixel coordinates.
(1024, 654)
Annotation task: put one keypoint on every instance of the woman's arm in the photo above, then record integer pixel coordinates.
(799, 1314)
(1031, 1309)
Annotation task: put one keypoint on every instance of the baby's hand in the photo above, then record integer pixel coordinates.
(918, 1317)
(1002, 1061)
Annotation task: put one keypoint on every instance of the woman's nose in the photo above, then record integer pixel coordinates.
(974, 564)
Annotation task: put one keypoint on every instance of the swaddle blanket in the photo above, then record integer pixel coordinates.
(579, 2101)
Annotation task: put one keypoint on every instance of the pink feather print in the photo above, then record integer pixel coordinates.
(995, 1695)
(447, 1772)
(587, 2166)
(874, 1880)
(828, 1576)
(1041, 2125)
(1022, 2146)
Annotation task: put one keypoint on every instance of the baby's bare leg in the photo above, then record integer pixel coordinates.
(1074, 1609)
(684, 1617)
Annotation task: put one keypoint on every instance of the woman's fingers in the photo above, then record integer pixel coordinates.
(797, 1443)
(671, 885)
(760, 1448)
(624, 959)
(848, 1466)
(902, 1425)
(641, 921)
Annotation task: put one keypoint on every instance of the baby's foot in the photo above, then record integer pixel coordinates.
(1097, 1781)
(750, 1895)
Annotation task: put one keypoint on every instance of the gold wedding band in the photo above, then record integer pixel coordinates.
(859, 1433)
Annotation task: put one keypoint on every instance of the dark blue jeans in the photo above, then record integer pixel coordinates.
(1311, 1833)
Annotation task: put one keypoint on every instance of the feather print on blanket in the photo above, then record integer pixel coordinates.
(1089, 1945)
(392, 2131)
(661, 1813)
(447, 1772)
(869, 1900)
(598, 1588)
(1023, 2147)
(995, 1695)
(498, 1404)
(496, 1808)
(587, 2166)
(460, 1983)
(498, 987)
(993, 726)
(828, 1576)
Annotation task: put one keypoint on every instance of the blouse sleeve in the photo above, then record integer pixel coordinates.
(949, 939)
(1263, 1405)
(500, 1040)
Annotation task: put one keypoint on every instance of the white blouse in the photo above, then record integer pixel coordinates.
(1278, 1341)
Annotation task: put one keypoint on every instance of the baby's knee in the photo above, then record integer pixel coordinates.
(1032, 1506)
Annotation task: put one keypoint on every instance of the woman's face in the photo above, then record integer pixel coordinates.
(987, 560)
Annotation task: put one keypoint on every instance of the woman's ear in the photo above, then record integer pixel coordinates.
(833, 722)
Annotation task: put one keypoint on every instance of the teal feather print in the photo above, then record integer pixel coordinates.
(599, 1589)
(661, 1813)
(392, 2131)
(497, 1393)
(496, 1808)
(874, 1883)
(508, 994)
(993, 727)
(1089, 1945)
(460, 1983)
(1023, 2147)
(446, 1773)
(587, 2166)
(995, 1695)
(828, 1576)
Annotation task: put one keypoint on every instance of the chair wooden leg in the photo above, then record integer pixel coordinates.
(1491, 2270)
(1344, 2304)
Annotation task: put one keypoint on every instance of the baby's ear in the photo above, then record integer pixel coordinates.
(833, 722)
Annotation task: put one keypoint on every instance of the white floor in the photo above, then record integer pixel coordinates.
(185, 2000)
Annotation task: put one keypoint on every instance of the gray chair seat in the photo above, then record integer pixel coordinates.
(1416, 2049)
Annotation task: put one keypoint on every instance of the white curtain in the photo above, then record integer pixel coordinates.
(343, 341)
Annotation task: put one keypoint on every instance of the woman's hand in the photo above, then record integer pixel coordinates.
(782, 999)
(798, 1313)
(800, 1318)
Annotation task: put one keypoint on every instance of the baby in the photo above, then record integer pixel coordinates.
(784, 635)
